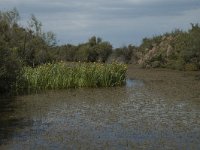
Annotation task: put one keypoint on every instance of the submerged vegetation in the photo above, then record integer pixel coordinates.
(72, 75)
(25, 50)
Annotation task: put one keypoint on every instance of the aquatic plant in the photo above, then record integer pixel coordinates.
(73, 75)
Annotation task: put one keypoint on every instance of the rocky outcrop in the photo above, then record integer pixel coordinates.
(158, 54)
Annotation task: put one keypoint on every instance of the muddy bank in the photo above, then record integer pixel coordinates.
(171, 83)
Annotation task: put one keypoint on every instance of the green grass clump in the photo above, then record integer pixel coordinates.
(73, 75)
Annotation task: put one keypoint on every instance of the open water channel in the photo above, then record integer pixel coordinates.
(148, 113)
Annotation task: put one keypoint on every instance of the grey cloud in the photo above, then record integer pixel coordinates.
(119, 21)
(104, 8)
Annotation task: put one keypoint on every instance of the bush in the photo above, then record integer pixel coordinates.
(10, 67)
(175, 64)
(155, 64)
(191, 67)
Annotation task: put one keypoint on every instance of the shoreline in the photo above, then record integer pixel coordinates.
(171, 83)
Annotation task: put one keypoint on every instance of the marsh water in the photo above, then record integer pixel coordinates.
(155, 110)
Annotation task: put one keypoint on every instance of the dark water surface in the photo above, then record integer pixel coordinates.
(132, 117)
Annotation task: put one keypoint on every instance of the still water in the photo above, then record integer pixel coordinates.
(131, 117)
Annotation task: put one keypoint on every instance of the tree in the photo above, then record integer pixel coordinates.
(104, 50)
(124, 53)
(10, 67)
(92, 41)
(35, 25)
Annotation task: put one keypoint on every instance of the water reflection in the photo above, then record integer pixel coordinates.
(120, 118)
(9, 124)
(134, 83)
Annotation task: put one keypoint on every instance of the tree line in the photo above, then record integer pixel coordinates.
(31, 46)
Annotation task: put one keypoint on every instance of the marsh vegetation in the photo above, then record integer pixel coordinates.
(71, 75)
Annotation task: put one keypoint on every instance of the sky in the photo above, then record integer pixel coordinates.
(121, 22)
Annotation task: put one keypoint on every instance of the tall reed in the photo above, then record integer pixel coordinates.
(62, 75)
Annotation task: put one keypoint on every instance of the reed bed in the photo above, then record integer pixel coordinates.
(62, 75)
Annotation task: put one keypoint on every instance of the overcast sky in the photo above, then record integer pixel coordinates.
(121, 22)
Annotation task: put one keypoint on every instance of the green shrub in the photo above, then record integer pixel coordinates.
(191, 67)
(155, 64)
(10, 67)
(176, 64)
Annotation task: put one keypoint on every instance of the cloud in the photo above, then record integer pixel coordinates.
(120, 22)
